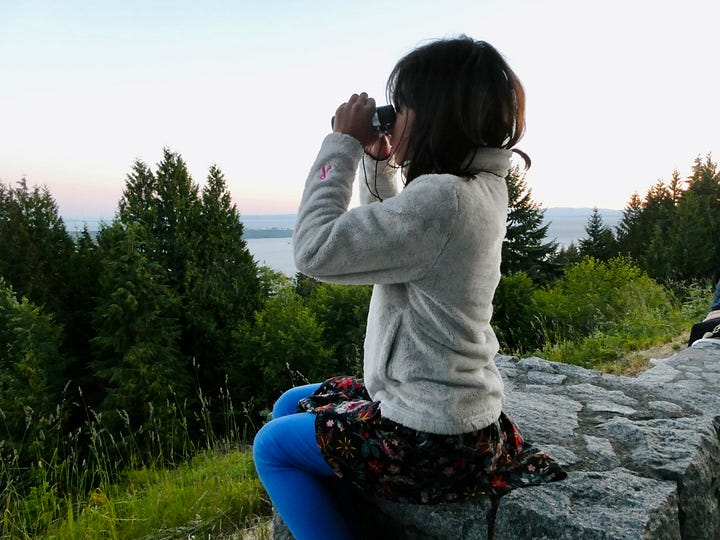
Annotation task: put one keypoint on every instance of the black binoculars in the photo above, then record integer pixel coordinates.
(383, 119)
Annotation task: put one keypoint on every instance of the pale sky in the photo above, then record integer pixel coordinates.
(619, 93)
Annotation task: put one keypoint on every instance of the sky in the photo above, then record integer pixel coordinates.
(620, 93)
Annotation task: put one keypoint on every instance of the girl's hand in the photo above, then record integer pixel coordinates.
(354, 118)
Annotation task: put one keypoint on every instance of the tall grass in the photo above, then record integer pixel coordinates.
(161, 480)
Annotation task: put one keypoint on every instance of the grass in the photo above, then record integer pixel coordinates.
(96, 485)
(213, 495)
(216, 494)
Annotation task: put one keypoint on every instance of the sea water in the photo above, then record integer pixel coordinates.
(276, 253)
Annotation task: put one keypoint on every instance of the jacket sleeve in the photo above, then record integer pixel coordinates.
(393, 241)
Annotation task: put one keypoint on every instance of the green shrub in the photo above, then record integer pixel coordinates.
(591, 294)
(514, 313)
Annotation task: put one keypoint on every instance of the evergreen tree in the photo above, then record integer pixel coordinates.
(34, 245)
(192, 247)
(222, 287)
(675, 187)
(138, 204)
(29, 347)
(693, 251)
(82, 294)
(39, 259)
(514, 314)
(629, 236)
(567, 256)
(137, 343)
(654, 225)
(661, 251)
(524, 248)
(599, 242)
(176, 229)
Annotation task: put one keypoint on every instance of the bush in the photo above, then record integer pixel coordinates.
(342, 311)
(281, 348)
(592, 293)
(514, 313)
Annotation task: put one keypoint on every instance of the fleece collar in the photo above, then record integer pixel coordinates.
(491, 160)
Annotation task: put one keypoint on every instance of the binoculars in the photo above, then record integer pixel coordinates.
(383, 119)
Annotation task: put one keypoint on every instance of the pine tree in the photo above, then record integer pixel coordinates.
(569, 255)
(29, 348)
(38, 259)
(82, 294)
(138, 358)
(599, 242)
(524, 248)
(222, 286)
(693, 251)
(191, 246)
(655, 226)
(34, 245)
(628, 233)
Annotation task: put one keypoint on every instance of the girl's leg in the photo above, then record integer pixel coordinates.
(298, 480)
(287, 403)
(715, 303)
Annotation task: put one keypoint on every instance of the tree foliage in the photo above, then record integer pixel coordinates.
(281, 348)
(525, 248)
(342, 312)
(599, 241)
(34, 245)
(592, 292)
(138, 358)
(167, 310)
(188, 242)
(29, 350)
(39, 260)
(673, 231)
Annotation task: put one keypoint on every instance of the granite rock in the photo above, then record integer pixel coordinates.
(642, 455)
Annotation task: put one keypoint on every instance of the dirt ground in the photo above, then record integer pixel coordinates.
(638, 361)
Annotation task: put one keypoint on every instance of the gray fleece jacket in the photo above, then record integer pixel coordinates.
(433, 253)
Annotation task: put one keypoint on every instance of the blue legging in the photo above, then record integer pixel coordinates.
(301, 485)
(715, 303)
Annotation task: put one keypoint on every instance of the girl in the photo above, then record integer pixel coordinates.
(425, 425)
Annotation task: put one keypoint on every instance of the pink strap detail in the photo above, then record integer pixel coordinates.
(325, 171)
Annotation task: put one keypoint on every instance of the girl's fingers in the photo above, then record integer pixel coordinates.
(354, 118)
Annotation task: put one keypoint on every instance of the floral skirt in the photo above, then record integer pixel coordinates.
(386, 459)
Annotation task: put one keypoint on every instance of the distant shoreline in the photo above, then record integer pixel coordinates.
(248, 234)
(566, 225)
(272, 232)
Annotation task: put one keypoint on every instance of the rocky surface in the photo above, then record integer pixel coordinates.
(642, 455)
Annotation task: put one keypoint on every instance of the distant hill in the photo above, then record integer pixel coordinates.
(272, 232)
(566, 224)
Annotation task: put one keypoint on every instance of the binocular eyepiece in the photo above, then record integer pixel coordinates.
(383, 119)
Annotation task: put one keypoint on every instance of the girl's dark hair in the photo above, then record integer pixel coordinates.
(464, 96)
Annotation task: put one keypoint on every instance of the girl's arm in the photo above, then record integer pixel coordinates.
(376, 171)
(390, 242)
